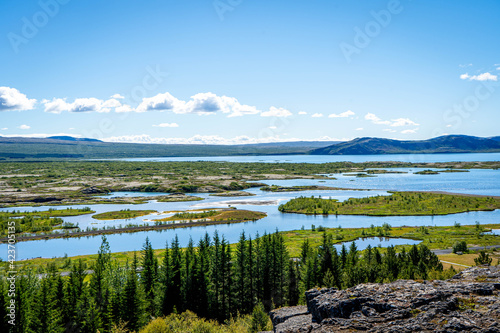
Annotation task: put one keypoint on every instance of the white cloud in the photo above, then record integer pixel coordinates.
(272, 127)
(481, 77)
(449, 125)
(359, 129)
(399, 122)
(276, 112)
(317, 115)
(346, 114)
(160, 102)
(302, 113)
(4, 129)
(201, 104)
(210, 139)
(124, 108)
(58, 105)
(464, 65)
(24, 127)
(376, 120)
(166, 125)
(13, 100)
(403, 122)
(409, 131)
(390, 130)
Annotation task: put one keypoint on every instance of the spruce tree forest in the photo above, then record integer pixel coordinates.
(211, 279)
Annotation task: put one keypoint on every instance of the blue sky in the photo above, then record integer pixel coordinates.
(241, 71)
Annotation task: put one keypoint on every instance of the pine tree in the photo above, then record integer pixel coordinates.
(241, 275)
(293, 284)
(166, 281)
(149, 275)
(174, 291)
(99, 285)
(201, 276)
(188, 267)
(4, 325)
(131, 301)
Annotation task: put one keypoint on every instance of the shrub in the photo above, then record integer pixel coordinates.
(460, 246)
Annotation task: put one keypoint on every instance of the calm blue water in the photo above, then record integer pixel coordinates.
(486, 182)
(480, 157)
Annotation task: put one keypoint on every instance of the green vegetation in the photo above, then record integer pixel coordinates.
(122, 214)
(483, 259)
(49, 213)
(382, 171)
(432, 237)
(232, 194)
(216, 215)
(427, 172)
(188, 215)
(399, 203)
(38, 221)
(359, 175)
(188, 322)
(213, 280)
(177, 198)
(277, 188)
(460, 246)
(78, 182)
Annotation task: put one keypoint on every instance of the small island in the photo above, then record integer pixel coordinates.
(397, 204)
(426, 172)
(232, 194)
(122, 214)
(359, 175)
(214, 215)
(277, 188)
(177, 197)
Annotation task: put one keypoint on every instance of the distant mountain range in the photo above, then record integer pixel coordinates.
(442, 144)
(56, 147)
(80, 148)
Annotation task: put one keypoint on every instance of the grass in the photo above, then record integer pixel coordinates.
(433, 237)
(37, 222)
(276, 188)
(122, 214)
(64, 183)
(464, 259)
(178, 198)
(49, 213)
(399, 203)
(427, 172)
(216, 215)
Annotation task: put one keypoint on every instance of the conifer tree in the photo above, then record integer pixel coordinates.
(149, 275)
(131, 301)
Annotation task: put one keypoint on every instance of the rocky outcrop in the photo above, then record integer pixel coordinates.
(469, 302)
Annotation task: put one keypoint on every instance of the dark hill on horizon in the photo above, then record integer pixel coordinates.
(441, 144)
(81, 148)
(66, 147)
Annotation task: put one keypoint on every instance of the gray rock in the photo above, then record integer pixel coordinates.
(469, 302)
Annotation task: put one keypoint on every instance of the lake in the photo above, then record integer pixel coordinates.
(413, 158)
(486, 182)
